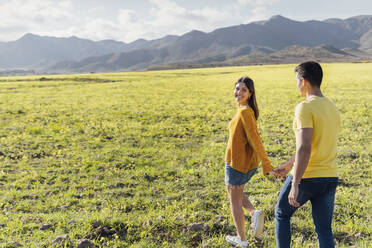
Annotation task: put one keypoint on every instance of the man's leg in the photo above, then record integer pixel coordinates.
(322, 210)
(283, 214)
(284, 211)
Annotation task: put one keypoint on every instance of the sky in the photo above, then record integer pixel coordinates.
(128, 20)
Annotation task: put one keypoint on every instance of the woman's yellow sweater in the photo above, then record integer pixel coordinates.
(245, 149)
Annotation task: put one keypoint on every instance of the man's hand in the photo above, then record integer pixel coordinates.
(282, 170)
(272, 173)
(292, 197)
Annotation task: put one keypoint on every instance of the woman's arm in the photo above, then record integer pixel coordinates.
(254, 139)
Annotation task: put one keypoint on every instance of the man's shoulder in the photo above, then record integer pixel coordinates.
(330, 103)
(302, 106)
(312, 102)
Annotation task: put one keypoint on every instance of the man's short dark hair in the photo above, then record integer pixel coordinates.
(311, 71)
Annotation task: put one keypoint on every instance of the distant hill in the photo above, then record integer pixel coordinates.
(291, 54)
(366, 41)
(295, 54)
(37, 52)
(33, 51)
(277, 40)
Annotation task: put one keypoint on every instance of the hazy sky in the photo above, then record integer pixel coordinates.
(128, 20)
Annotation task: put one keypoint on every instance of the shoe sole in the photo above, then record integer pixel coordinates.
(235, 243)
(260, 225)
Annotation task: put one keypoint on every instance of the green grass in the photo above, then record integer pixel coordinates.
(143, 153)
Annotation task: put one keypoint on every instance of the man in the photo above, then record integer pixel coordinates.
(314, 175)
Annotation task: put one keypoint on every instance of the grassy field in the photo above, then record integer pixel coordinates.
(134, 159)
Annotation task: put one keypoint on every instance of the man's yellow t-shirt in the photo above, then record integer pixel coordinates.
(320, 114)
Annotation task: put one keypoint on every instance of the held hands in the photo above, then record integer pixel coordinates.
(273, 173)
(278, 172)
(281, 171)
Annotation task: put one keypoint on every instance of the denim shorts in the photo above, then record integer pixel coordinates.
(237, 178)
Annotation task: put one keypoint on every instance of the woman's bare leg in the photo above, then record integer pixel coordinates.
(236, 205)
(248, 205)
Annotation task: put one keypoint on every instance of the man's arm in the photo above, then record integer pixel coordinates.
(302, 157)
(303, 151)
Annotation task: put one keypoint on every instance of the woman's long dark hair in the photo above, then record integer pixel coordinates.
(252, 100)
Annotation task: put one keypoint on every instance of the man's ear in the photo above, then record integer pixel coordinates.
(306, 83)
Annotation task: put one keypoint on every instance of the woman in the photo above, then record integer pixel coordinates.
(243, 153)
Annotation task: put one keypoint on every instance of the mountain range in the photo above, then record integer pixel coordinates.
(276, 40)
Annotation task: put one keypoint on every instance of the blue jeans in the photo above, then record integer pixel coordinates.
(321, 193)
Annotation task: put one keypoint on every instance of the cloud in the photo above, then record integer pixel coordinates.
(168, 17)
(161, 17)
(257, 2)
(40, 16)
(259, 9)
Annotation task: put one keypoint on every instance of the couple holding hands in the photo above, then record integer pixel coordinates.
(313, 168)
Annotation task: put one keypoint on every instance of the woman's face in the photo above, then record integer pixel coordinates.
(242, 94)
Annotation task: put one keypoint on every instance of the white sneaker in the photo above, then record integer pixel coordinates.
(257, 223)
(235, 240)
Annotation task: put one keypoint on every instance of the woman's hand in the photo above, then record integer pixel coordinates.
(273, 173)
(282, 170)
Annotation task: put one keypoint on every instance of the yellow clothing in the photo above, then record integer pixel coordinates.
(244, 148)
(320, 114)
